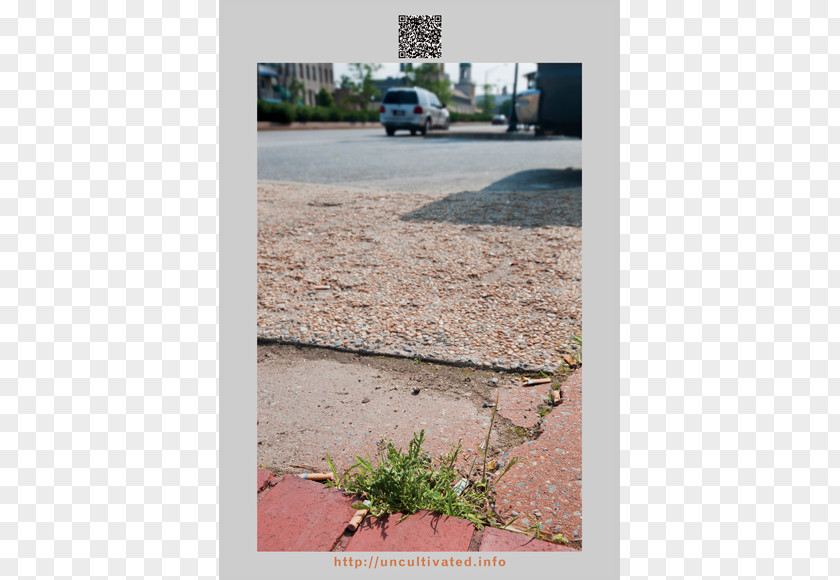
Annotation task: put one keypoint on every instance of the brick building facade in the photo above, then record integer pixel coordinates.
(313, 75)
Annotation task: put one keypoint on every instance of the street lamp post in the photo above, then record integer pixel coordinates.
(514, 121)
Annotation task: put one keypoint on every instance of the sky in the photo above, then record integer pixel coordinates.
(497, 74)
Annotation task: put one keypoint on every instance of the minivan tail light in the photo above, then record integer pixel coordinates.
(381, 108)
(418, 110)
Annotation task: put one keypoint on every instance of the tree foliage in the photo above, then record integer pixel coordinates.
(361, 85)
(296, 88)
(426, 76)
(325, 99)
(505, 108)
(488, 100)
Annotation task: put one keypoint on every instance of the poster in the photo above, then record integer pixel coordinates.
(310, 218)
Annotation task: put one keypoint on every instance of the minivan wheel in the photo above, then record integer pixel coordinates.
(390, 131)
(426, 127)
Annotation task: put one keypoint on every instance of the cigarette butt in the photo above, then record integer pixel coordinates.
(555, 397)
(460, 486)
(530, 382)
(357, 518)
(317, 476)
(321, 287)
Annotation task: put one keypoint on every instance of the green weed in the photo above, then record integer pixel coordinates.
(406, 482)
(577, 356)
(520, 431)
(536, 530)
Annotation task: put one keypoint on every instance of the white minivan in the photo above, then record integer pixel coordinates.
(414, 109)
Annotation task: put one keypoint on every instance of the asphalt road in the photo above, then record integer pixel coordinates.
(369, 158)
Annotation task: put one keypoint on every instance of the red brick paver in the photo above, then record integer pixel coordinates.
(263, 477)
(297, 515)
(546, 485)
(519, 404)
(496, 540)
(420, 532)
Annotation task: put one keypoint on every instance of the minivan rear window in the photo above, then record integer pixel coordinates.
(400, 98)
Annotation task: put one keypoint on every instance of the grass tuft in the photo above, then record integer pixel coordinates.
(406, 482)
(578, 346)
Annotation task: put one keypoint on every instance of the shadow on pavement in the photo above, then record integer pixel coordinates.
(528, 199)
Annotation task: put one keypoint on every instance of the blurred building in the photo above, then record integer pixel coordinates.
(461, 102)
(463, 92)
(268, 87)
(390, 83)
(344, 99)
(439, 73)
(465, 84)
(274, 80)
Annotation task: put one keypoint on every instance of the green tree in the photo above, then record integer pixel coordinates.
(504, 108)
(426, 76)
(346, 83)
(363, 87)
(488, 100)
(296, 89)
(325, 99)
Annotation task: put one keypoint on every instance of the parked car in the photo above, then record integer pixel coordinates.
(499, 120)
(414, 109)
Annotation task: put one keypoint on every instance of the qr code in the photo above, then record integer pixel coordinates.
(420, 36)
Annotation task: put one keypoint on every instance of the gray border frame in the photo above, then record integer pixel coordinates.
(329, 31)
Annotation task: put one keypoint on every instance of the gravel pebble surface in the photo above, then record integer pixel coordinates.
(487, 279)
